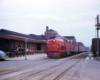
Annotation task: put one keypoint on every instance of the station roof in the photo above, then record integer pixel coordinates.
(33, 36)
(37, 37)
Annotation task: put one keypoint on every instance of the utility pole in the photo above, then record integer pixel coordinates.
(26, 40)
(98, 27)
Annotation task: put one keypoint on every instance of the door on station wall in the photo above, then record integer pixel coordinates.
(38, 46)
(4, 45)
(1, 44)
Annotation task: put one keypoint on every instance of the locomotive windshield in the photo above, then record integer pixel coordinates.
(52, 37)
(56, 37)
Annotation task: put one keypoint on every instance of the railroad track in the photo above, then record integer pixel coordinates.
(53, 71)
(53, 74)
(14, 69)
(69, 72)
(18, 64)
(8, 70)
(26, 76)
(29, 75)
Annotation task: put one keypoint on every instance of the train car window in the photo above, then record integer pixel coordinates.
(65, 40)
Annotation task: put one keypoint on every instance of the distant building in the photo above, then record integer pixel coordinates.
(80, 43)
(88, 48)
(50, 32)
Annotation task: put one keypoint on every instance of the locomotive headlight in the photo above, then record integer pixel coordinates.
(54, 40)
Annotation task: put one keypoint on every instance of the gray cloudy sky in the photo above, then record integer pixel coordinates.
(67, 17)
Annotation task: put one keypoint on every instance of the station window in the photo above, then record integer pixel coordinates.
(38, 46)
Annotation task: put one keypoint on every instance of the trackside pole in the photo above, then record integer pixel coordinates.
(98, 27)
(26, 40)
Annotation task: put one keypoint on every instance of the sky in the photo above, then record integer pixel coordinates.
(67, 17)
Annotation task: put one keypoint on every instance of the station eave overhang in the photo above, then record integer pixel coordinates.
(15, 37)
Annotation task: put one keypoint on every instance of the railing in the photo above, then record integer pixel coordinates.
(21, 52)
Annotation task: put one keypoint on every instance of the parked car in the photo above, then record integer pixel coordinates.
(3, 56)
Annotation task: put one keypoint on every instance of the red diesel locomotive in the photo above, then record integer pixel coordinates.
(58, 47)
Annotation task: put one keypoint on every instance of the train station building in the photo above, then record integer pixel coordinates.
(14, 43)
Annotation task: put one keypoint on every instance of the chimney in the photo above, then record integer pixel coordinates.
(47, 28)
